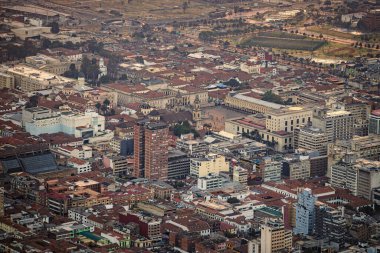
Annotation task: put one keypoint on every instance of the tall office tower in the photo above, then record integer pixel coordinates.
(274, 237)
(305, 212)
(151, 150)
(156, 151)
(337, 124)
(139, 149)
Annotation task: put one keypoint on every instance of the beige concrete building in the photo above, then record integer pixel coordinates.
(7, 81)
(247, 102)
(31, 79)
(49, 64)
(160, 99)
(310, 138)
(30, 32)
(210, 164)
(240, 175)
(360, 112)
(275, 238)
(368, 177)
(337, 124)
(299, 169)
(367, 147)
(281, 140)
(288, 118)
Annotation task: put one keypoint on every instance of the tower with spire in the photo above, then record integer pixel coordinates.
(197, 112)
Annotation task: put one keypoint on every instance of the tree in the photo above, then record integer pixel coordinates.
(72, 72)
(46, 43)
(54, 27)
(271, 97)
(185, 6)
(233, 200)
(98, 105)
(139, 59)
(106, 102)
(33, 101)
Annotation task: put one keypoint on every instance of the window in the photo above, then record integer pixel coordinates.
(286, 123)
(303, 120)
(298, 121)
(291, 122)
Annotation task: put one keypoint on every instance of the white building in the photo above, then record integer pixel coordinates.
(82, 166)
(209, 182)
(40, 120)
(81, 152)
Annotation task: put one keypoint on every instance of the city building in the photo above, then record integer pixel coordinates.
(178, 165)
(255, 126)
(374, 122)
(122, 146)
(305, 213)
(288, 119)
(193, 147)
(209, 164)
(274, 237)
(148, 227)
(57, 66)
(330, 223)
(271, 170)
(360, 112)
(81, 152)
(1, 201)
(337, 124)
(310, 138)
(211, 181)
(240, 175)
(344, 175)
(80, 165)
(164, 98)
(246, 102)
(7, 81)
(41, 120)
(366, 147)
(119, 165)
(151, 150)
(368, 177)
(297, 168)
(31, 79)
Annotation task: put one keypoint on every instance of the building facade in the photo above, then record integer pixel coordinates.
(305, 213)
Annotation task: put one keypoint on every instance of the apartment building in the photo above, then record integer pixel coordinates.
(151, 150)
(337, 124)
(311, 139)
(274, 237)
(209, 164)
(7, 81)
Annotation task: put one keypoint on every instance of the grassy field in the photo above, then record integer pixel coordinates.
(331, 50)
(330, 32)
(149, 9)
(282, 41)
